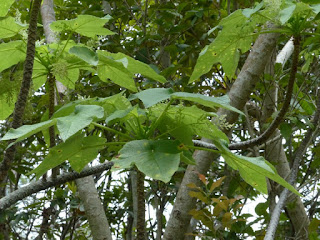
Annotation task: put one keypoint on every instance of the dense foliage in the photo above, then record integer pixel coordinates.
(147, 85)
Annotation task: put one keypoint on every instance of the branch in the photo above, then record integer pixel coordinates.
(20, 105)
(41, 184)
(296, 162)
(275, 123)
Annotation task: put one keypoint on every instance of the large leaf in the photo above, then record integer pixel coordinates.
(157, 159)
(9, 27)
(5, 5)
(115, 71)
(253, 170)
(135, 66)
(185, 122)
(27, 130)
(86, 25)
(235, 37)
(82, 116)
(221, 102)
(85, 54)
(78, 150)
(11, 53)
(152, 96)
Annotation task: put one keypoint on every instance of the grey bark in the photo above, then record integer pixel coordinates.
(88, 194)
(94, 209)
(239, 94)
(42, 184)
(275, 153)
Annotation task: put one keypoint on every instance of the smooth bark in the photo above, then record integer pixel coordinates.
(239, 94)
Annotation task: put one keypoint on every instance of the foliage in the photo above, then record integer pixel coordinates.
(126, 104)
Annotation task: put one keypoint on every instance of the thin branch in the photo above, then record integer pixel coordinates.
(275, 123)
(41, 184)
(296, 162)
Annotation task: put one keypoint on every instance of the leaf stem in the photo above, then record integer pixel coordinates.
(111, 130)
(202, 148)
(156, 123)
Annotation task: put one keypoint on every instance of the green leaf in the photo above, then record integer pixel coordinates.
(156, 159)
(119, 114)
(225, 48)
(13, 52)
(27, 130)
(187, 158)
(85, 54)
(185, 122)
(9, 27)
(82, 116)
(212, 102)
(249, 11)
(86, 25)
(6, 107)
(285, 14)
(253, 170)
(39, 74)
(66, 73)
(135, 66)
(78, 150)
(152, 96)
(116, 71)
(5, 5)
(286, 130)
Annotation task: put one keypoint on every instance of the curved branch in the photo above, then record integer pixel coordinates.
(42, 184)
(275, 123)
(296, 162)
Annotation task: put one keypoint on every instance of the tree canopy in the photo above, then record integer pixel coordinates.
(159, 119)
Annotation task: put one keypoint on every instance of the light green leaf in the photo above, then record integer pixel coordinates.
(249, 11)
(157, 159)
(152, 96)
(185, 122)
(13, 52)
(27, 130)
(78, 150)
(225, 48)
(82, 116)
(85, 54)
(253, 170)
(119, 114)
(9, 27)
(285, 14)
(116, 71)
(86, 25)
(212, 102)
(135, 66)
(39, 74)
(66, 73)
(5, 5)
(7, 105)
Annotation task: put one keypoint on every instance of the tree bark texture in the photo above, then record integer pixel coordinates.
(94, 209)
(239, 94)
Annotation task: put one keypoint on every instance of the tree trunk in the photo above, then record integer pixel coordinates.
(239, 94)
(94, 209)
